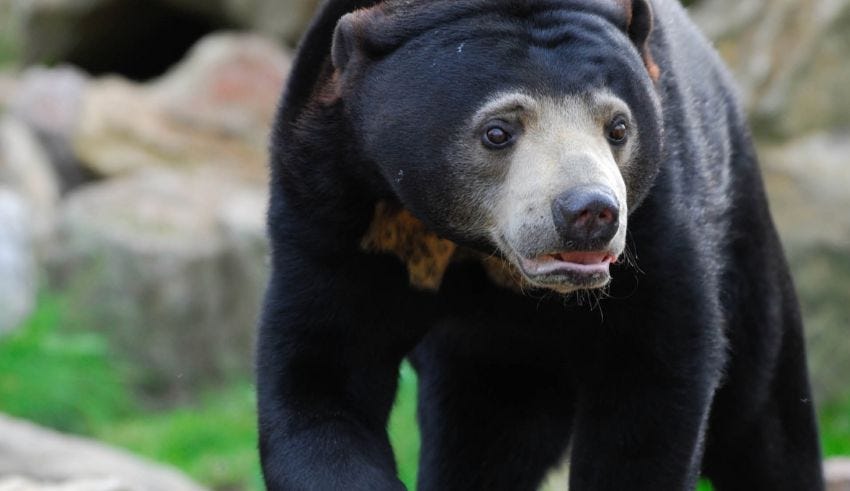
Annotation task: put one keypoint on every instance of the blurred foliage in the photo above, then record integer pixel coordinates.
(835, 427)
(44, 374)
(63, 377)
(213, 440)
(10, 51)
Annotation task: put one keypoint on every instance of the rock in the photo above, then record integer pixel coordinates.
(50, 100)
(228, 85)
(808, 180)
(44, 460)
(283, 19)
(21, 484)
(789, 56)
(214, 108)
(25, 167)
(8, 86)
(837, 474)
(17, 265)
(172, 267)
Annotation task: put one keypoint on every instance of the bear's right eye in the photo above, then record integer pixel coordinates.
(496, 137)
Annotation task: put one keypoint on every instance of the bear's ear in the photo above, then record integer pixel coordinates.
(350, 35)
(344, 41)
(639, 21)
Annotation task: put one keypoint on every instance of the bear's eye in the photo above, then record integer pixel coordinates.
(496, 136)
(618, 131)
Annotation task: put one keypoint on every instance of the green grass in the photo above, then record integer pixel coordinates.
(213, 440)
(404, 433)
(9, 50)
(835, 427)
(63, 380)
(66, 379)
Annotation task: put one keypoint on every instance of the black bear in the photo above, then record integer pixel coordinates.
(553, 208)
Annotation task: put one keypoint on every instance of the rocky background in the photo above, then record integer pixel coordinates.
(132, 178)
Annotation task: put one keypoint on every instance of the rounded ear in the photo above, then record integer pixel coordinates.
(344, 41)
(351, 40)
(639, 22)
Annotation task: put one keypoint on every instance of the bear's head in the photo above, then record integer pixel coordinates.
(530, 128)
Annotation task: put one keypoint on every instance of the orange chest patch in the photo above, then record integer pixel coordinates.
(425, 254)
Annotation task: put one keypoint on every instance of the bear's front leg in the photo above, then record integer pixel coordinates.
(330, 343)
(632, 437)
(644, 398)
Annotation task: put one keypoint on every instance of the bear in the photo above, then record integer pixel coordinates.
(553, 209)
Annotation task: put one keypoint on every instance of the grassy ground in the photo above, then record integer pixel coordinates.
(67, 379)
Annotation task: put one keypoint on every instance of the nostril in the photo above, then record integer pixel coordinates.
(583, 218)
(586, 213)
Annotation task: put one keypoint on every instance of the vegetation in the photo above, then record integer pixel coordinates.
(9, 49)
(46, 367)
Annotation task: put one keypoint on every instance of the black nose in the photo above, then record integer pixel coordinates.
(586, 216)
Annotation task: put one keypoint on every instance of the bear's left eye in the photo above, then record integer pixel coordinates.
(618, 131)
(497, 136)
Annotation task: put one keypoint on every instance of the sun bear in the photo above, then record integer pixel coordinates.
(553, 208)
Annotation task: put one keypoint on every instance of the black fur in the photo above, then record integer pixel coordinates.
(692, 363)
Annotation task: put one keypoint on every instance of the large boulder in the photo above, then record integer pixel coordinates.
(171, 266)
(284, 19)
(215, 108)
(17, 264)
(808, 181)
(37, 459)
(50, 101)
(18, 483)
(8, 86)
(25, 167)
(837, 474)
(789, 57)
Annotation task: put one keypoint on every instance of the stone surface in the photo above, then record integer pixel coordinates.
(284, 19)
(8, 86)
(37, 457)
(172, 267)
(213, 109)
(837, 474)
(26, 168)
(18, 483)
(17, 264)
(790, 58)
(808, 180)
(49, 100)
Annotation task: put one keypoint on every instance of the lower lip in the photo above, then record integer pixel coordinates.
(575, 263)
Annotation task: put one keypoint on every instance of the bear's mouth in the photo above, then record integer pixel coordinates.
(567, 271)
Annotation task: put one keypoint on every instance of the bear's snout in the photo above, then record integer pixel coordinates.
(586, 217)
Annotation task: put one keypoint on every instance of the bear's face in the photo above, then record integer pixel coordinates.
(558, 207)
(532, 131)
